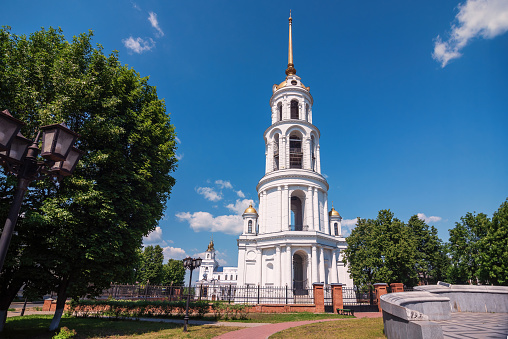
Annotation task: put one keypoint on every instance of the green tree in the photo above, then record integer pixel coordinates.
(431, 260)
(173, 273)
(381, 250)
(493, 256)
(150, 266)
(81, 234)
(464, 248)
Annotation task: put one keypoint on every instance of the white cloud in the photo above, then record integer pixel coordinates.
(138, 45)
(476, 18)
(178, 140)
(154, 237)
(240, 205)
(347, 226)
(224, 183)
(179, 156)
(135, 6)
(240, 194)
(155, 24)
(209, 193)
(427, 219)
(173, 253)
(204, 221)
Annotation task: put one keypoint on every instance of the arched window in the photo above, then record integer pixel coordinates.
(276, 152)
(279, 110)
(295, 151)
(336, 228)
(294, 109)
(250, 227)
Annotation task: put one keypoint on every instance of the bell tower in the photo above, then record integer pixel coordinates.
(294, 243)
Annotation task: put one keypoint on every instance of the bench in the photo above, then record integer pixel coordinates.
(345, 311)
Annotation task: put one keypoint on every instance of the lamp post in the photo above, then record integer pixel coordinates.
(18, 158)
(190, 264)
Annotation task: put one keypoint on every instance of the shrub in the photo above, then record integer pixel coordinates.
(65, 333)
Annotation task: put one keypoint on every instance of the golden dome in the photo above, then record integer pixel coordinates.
(250, 209)
(285, 83)
(334, 213)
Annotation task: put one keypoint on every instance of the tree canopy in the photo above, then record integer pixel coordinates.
(81, 234)
(479, 248)
(387, 250)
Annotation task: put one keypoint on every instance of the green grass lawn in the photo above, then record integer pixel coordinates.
(36, 327)
(364, 328)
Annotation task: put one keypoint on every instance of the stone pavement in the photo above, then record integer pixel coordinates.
(465, 325)
(262, 332)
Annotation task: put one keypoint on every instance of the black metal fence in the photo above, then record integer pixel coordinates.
(248, 294)
(254, 294)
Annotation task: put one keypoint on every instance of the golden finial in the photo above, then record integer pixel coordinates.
(290, 70)
(210, 245)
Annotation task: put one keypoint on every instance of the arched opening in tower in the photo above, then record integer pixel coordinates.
(296, 213)
(276, 152)
(295, 151)
(294, 110)
(299, 274)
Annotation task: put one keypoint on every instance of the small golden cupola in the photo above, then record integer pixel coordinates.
(334, 213)
(210, 245)
(251, 210)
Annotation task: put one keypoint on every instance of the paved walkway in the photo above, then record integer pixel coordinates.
(465, 325)
(266, 330)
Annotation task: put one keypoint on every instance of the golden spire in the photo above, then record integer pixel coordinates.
(290, 70)
(210, 245)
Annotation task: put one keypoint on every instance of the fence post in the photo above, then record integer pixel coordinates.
(258, 293)
(229, 296)
(286, 294)
(397, 287)
(380, 290)
(319, 297)
(337, 299)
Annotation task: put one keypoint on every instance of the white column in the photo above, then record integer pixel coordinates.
(314, 265)
(278, 212)
(327, 222)
(310, 208)
(265, 215)
(286, 150)
(322, 277)
(269, 157)
(278, 268)
(334, 278)
(285, 207)
(260, 266)
(261, 212)
(282, 152)
(318, 156)
(289, 269)
(315, 203)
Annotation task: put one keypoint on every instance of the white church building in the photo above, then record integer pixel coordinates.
(294, 239)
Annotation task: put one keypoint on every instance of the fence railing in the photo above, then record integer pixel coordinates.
(248, 294)
(351, 296)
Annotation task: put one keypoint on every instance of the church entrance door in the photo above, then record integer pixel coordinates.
(299, 275)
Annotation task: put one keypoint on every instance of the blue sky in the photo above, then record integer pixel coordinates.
(411, 99)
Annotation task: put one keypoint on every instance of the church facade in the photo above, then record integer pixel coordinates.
(294, 240)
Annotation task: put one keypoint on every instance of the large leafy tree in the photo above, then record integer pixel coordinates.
(150, 269)
(173, 273)
(388, 250)
(381, 250)
(78, 236)
(431, 259)
(464, 248)
(494, 249)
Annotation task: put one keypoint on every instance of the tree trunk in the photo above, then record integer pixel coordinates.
(7, 295)
(60, 305)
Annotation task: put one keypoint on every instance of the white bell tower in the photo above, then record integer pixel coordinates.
(295, 242)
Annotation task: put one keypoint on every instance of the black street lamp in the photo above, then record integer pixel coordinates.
(19, 157)
(191, 264)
